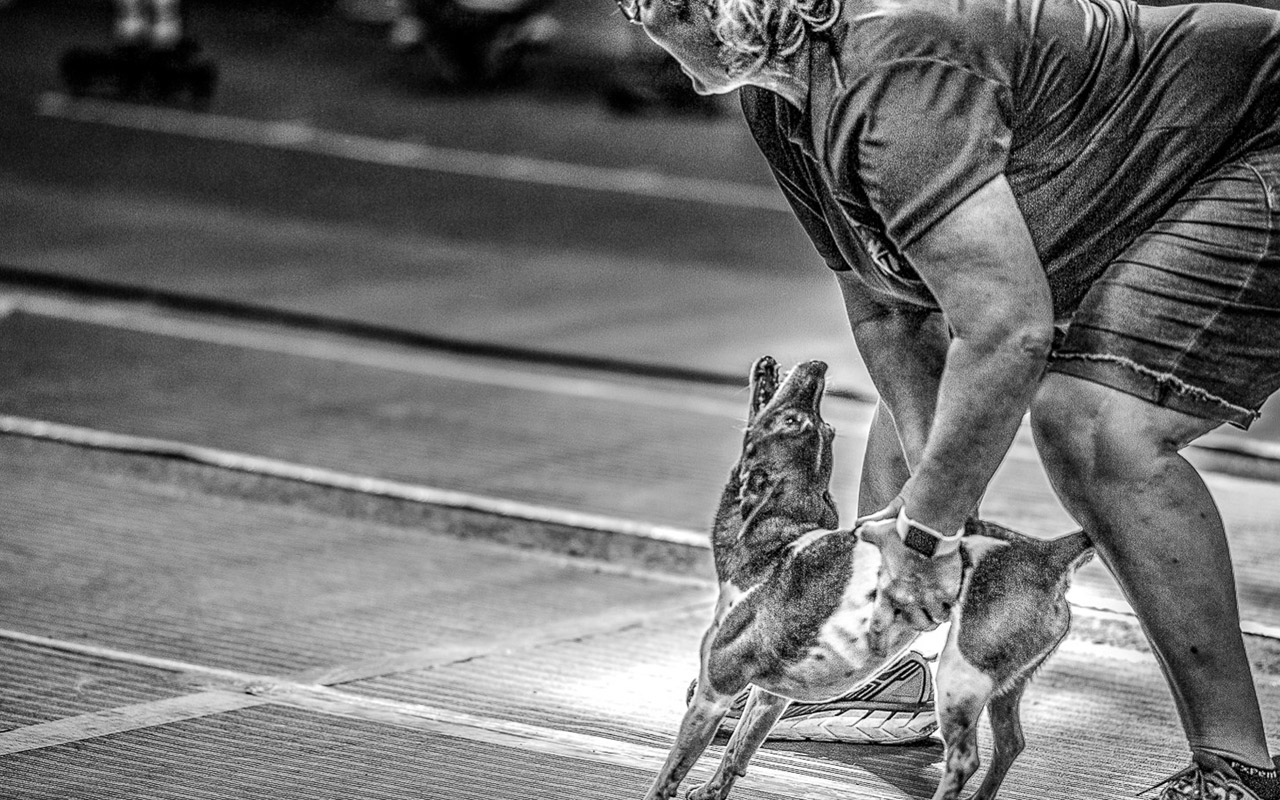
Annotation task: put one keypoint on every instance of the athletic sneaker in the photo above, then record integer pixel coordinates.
(894, 707)
(1211, 780)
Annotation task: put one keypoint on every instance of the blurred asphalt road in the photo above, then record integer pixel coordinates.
(676, 251)
(611, 271)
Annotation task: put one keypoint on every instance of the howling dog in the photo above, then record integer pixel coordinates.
(803, 615)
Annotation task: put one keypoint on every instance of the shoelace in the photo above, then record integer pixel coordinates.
(1204, 784)
(1174, 778)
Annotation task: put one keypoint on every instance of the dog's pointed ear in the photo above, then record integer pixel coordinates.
(753, 484)
(736, 473)
(829, 514)
(764, 385)
(979, 547)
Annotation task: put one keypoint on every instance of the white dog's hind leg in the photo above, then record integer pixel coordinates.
(1008, 741)
(963, 691)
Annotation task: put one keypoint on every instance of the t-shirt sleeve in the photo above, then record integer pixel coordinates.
(920, 135)
(794, 175)
(808, 212)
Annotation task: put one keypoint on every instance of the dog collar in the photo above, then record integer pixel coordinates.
(925, 540)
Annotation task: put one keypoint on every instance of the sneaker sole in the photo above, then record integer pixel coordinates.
(895, 707)
(858, 727)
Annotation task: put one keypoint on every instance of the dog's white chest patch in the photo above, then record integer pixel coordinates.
(844, 636)
(841, 657)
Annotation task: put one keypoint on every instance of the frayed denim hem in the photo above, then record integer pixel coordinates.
(1161, 388)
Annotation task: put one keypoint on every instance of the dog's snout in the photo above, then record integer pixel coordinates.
(811, 372)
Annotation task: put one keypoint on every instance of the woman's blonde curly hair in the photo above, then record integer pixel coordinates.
(759, 32)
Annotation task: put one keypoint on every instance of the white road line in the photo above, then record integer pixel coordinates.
(123, 720)
(257, 465)
(1260, 629)
(105, 653)
(428, 364)
(298, 137)
(1084, 600)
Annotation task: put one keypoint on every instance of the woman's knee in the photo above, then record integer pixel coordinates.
(1070, 425)
(1087, 428)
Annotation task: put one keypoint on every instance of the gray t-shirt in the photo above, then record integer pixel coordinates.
(1099, 112)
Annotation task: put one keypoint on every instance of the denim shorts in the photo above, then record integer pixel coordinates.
(1188, 316)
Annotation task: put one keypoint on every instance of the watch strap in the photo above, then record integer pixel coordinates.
(925, 540)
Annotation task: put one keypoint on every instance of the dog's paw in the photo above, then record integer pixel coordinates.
(664, 791)
(707, 791)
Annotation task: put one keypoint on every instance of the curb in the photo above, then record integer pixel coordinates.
(657, 549)
(636, 548)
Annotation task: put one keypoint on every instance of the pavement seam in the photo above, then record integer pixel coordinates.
(229, 690)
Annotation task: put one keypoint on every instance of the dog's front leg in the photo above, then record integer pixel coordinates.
(762, 711)
(701, 720)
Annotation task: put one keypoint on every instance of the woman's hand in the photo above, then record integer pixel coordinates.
(889, 512)
(911, 588)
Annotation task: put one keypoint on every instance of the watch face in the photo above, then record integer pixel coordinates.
(923, 543)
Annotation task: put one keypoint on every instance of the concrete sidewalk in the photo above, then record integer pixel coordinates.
(239, 561)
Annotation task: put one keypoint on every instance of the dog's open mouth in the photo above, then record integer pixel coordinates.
(803, 385)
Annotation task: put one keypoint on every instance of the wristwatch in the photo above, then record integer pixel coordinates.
(925, 540)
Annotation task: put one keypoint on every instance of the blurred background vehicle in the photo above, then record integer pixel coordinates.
(152, 57)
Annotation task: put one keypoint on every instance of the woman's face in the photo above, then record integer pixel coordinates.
(685, 32)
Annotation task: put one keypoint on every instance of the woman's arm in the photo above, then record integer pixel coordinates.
(904, 349)
(983, 269)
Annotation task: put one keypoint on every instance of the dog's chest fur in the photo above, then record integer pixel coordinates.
(802, 631)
